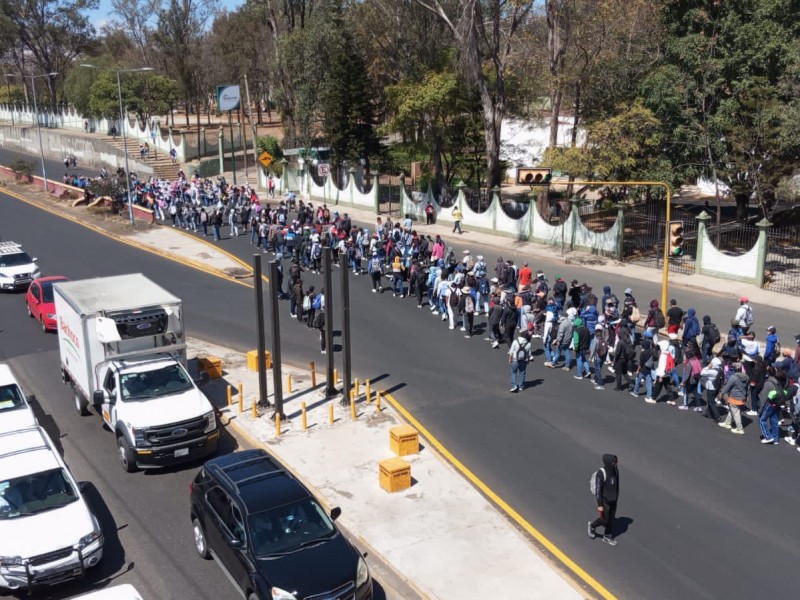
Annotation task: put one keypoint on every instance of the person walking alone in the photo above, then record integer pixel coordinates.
(606, 494)
(518, 357)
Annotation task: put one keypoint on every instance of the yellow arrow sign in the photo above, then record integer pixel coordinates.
(265, 158)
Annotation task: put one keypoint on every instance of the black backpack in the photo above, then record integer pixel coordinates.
(713, 334)
(659, 318)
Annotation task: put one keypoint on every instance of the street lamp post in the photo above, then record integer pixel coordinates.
(122, 125)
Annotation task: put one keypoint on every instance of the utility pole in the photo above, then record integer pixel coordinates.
(262, 345)
(254, 132)
(277, 373)
(346, 366)
(330, 388)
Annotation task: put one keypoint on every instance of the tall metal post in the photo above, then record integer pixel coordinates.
(277, 373)
(346, 368)
(262, 345)
(39, 131)
(330, 388)
(254, 132)
(233, 148)
(125, 147)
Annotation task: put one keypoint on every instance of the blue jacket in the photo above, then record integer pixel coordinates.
(691, 326)
(772, 339)
(589, 316)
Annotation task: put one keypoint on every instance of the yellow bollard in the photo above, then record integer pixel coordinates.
(269, 360)
(377, 401)
(353, 406)
(289, 383)
(305, 422)
(335, 377)
(313, 374)
(241, 391)
(357, 388)
(241, 400)
(369, 392)
(255, 408)
(277, 425)
(230, 394)
(330, 413)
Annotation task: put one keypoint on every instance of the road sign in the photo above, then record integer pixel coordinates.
(265, 158)
(323, 169)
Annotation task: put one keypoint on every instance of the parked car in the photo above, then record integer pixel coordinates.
(17, 268)
(270, 535)
(15, 410)
(47, 532)
(39, 301)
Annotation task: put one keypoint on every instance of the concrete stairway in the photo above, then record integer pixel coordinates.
(162, 166)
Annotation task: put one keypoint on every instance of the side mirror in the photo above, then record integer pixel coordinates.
(335, 513)
(236, 544)
(34, 259)
(31, 399)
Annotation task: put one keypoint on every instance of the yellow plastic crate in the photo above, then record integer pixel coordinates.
(403, 440)
(395, 474)
(252, 360)
(211, 365)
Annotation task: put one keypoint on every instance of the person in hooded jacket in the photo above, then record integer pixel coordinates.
(624, 358)
(710, 380)
(773, 396)
(606, 487)
(691, 327)
(563, 340)
(560, 292)
(509, 319)
(581, 341)
(735, 394)
(654, 316)
(647, 362)
(589, 315)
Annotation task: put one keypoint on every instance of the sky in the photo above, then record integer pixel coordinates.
(102, 15)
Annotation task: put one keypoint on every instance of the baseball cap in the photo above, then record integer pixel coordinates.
(772, 328)
(628, 292)
(743, 299)
(598, 327)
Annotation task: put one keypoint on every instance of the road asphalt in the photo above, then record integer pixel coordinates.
(691, 493)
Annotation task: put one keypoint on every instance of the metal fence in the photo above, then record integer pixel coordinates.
(643, 240)
(388, 194)
(782, 267)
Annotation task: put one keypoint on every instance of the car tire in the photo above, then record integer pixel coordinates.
(200, 543)
(28, 309)
(81, 405)
(253, 596)
(126, 456)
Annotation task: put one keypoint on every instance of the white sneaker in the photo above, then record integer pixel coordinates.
(790, 441)
(463, 329)
(751, 413)
(649, 400)
(767, 441)
(611, 369)
(452, 327)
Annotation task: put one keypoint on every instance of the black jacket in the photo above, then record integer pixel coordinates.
(607, 487)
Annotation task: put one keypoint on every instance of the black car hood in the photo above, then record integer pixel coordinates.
(312, 570)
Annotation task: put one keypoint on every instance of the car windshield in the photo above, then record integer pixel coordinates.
(35, 493)
(47, 291)
(10, 397)
(168, 380)
(288, 528)
(15, 260)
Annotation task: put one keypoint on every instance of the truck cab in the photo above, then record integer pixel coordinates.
(157, 412)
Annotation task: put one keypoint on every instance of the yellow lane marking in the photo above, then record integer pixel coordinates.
(129, 242)
(502, 504)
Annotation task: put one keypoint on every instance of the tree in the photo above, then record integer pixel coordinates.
(52, 32)
(137, 17)
(485, 32)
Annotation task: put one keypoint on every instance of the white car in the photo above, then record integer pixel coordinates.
(17, 269)
(118, 592)
(15, 412)
(47, 532)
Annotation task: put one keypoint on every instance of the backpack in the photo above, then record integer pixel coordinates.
(593, 480)
(294, 271)
(316, 303)
(453, 299)
(635, 314)
(659, 319)
(376, 266)
(469, 304)
(307, 302)
(602, 348)
(748, 316)
(678, 353)
(714, 335)
(670, 364)
(522, 352)
(483, 286)
(776, 352)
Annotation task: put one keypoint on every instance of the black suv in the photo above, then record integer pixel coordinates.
(269, 534)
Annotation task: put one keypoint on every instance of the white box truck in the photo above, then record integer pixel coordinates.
(123, 350)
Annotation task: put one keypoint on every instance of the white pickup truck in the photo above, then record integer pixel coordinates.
(123, 350)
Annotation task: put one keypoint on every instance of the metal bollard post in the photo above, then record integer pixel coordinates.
(335, 377)
(357, 390)
(353, 405)
(277, 424)
(255, 408)
(289, 383)
(269, 359)
(369, 392)
(241, 401)
(230, 394)
(377, 401)
(313, 374)
(305, 422)
(330, 413)
(241, 391)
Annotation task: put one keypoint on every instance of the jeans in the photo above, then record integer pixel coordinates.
(755, 402)
(598, 370)
(581, 364)
(548, 352)
(355, 264)
(457, 227)
(769, 423)
(205, 229)
(397, 283)
(518, 374)
(567, 356)
(648, 380)
(217, 234)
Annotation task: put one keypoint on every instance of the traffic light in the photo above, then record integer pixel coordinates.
(534, 176)
(675, 238)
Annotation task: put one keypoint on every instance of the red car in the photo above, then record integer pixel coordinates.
(39, 301)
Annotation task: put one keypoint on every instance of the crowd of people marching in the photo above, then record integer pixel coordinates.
(670, 354)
